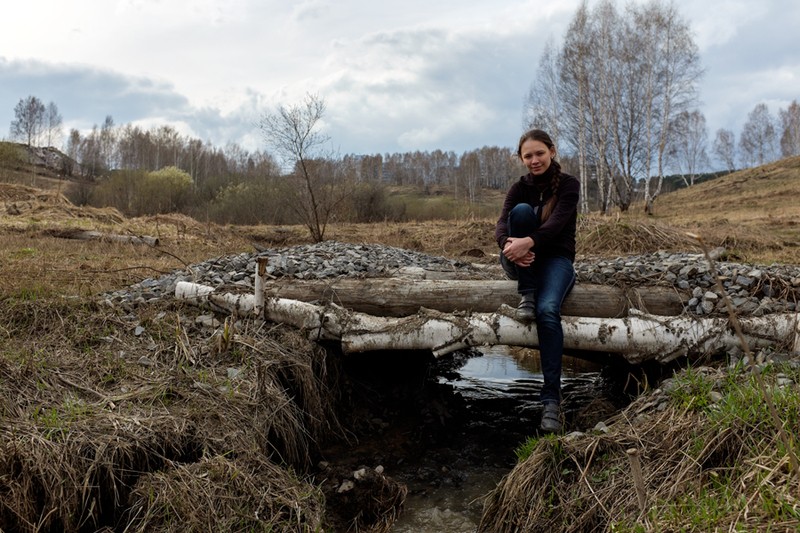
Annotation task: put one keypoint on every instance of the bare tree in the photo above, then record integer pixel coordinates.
(470, 171)
(757, 142)
(687, 147)
(91, 157)
(675, 72)
(725, 148)
(28, 120)
(624, 77)
(73, 149)
(293, 132)
(108, 143)
(543, 106)
(52, 124)
(790, 130)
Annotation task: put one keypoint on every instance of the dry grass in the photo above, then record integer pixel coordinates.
(754, 213)
(96, 417)
(703, 467)
(245, 492)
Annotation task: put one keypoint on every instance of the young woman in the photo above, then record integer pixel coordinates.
(536, 233)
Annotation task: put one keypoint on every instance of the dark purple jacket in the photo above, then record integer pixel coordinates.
(556, 236)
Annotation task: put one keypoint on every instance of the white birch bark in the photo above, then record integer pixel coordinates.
(638, 337)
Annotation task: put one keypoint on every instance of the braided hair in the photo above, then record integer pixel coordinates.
(555, 180)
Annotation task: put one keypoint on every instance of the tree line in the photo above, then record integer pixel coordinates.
(114, 162)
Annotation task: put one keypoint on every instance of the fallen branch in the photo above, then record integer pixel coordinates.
(86, 235)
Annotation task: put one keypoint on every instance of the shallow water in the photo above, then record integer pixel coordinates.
(500, 391)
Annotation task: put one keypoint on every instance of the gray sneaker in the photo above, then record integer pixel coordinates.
(551, 418)
(526, 310)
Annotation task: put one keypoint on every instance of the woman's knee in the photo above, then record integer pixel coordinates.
(522, 210)
(548, 312)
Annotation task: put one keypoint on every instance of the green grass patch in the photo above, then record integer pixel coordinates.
(691, 390)
(24, 252)
(526, 449)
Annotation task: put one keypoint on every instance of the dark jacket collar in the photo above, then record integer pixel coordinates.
(542, 181)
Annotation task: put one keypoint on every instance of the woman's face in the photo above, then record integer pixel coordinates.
(536, 156)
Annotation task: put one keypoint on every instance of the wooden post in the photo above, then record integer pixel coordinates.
(261, 271)
(638, 478)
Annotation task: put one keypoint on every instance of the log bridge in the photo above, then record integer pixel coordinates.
(442, 316)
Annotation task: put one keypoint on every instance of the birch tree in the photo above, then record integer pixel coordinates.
(601, 42)
(757, 142)
(790, 130)
(52, 125)
(470, 171)
(543, 105)
(28, 120)
(724, 148)
(687, 148)
(624, 77)
(676, 70)
(573, 62)
(108, 143)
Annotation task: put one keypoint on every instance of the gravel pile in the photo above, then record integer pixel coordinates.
(753, 290)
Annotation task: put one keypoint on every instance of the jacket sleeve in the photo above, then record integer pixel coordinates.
(566, 206)
(501, 228)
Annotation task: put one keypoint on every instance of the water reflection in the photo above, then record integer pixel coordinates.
(498, 371)
(500, 386)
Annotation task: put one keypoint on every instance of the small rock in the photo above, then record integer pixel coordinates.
(346, 486)
(207, 321)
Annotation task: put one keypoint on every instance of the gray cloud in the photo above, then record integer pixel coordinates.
(428, 89)
(85, 96)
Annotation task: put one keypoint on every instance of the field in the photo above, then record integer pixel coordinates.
(109, 428)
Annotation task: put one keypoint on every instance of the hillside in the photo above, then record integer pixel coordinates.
(754, 213)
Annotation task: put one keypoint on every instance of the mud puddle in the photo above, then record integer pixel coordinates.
(448, 429)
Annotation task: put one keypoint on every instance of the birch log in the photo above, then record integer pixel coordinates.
(638, 337)
(401, 297)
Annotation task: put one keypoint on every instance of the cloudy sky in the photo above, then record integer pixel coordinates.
(396, 75)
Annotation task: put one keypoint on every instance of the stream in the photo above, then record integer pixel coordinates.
(450, 433)
(501, 391)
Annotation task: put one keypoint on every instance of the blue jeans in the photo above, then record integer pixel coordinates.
(550, 279)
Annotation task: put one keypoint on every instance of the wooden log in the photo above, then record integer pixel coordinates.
(638, 337)
(87, 235)
(401, 297)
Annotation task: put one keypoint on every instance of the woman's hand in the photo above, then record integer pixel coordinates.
(518, 251)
